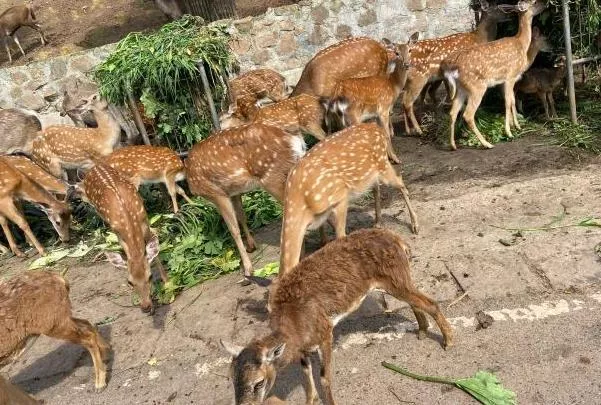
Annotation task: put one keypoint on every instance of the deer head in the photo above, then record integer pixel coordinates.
(60, 218)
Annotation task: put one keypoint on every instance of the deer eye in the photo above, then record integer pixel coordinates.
(130, 283)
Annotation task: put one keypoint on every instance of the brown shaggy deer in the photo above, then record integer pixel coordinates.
(542, 82)
(471, 71)
(345, 165)
(37, 303)
(18, 129)
(13, 19)
(308, 302)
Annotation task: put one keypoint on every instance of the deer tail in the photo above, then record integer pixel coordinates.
(450, 73)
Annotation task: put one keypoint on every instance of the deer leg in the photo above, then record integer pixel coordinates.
(552, 104)
(325, 355)
(181, 192)
(310, 391)
(516, 122)
(171, 189)
(391, 178)
(508, 92)
(455, 108)
(12, 213)
(3, 249)
(339, 215)
(241, 215)
(473, 102)
(10, 58)
(543, 99)
(38, 28)
(16, 40)
(9, 237)
(292, 239)
(412, 91)
(388, 128)
(226, 209)
(422, 323)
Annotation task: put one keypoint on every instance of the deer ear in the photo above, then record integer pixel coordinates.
(414, 37)
(275, 353)
(386, 41)
(116, 259)
(231, 348)
(152, 249)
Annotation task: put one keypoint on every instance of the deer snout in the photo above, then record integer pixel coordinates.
(147, 307)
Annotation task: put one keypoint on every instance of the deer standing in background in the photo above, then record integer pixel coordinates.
(117, 202)
(234, 161)
(357, 99)
(427, 54)
(37, 303)
(349, 58)
(14, 185)
(61, 147)
(307, 303)
(470, 72)
(295, 115)
(13, 19)
(542, 82)
(144, 164)
(321, 184)
(18, 129)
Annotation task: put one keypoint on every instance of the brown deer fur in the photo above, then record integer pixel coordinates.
(35, 173)
(62, 147)
(14, 186)
(298, 114)
(427, 54)
(542, 82)
(13, 19)
(308, 302)
(349, 58)
(37, 303)
(12, 395)
(249, 87)
(142, 164)
(119, 205)
(17, 131)
(345, 165)
(237, 160)
(470, 72)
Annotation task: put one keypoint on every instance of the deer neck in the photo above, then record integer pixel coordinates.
(487, 29)
(108, 126)
(524, 35)
(397, 80)
(37, 194)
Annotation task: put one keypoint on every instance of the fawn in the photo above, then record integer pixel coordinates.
(321, 184)
(307, 303)
(117, 202)
(142, 164)
(542, 82)
(470, 72)
(37, 303)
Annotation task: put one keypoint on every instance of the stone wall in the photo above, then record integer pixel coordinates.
(284, 38)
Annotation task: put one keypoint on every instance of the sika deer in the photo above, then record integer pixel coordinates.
(37, 303)
(119, 205)
(35, 173)
(349, 58)
(62, 147)
(356, 99)
(16, 185)
(346, 164)
(13, 19)
(470, 72)
(298, 114)
(237, 160)
(542, 82)
(308, 302)
(142, 164)
(427, 55)
(17, 131)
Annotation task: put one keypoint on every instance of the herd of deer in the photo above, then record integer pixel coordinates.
(263, 146)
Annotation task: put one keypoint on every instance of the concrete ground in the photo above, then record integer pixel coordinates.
(541, 290)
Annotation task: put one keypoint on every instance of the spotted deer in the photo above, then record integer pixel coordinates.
(349, 58)
(142, 164)
(35, 173)
(14, 186)
(542, 82)
(117, 202)
(14, 18)
(309, 301)
(470, 72)
(427, 55)
(298, 114)
(234, 161)
(61, 147)
(357, 99)
(37, 303)
(321, 184)
(18, 129)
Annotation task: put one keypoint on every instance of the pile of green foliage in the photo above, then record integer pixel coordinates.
(161, 70)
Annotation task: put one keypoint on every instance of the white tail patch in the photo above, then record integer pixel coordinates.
(298, 146)
(451, 76)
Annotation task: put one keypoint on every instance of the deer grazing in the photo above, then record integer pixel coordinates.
(61, 147)
(37, 303)
(346, 164)
(359, 98)
(298, 114)
(142, 164)
(308, 302)
(349, 58)
(427, 54)
(17, 131)
(117, 202)
(15, 185)
(13, 19)
(542, 82)
(237, 160)
(471, 71)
